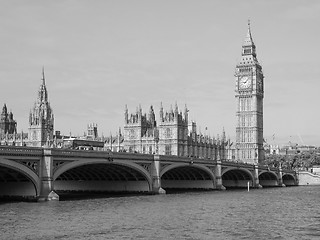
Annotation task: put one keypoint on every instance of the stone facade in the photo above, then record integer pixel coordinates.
(249, 95)
(173, 135)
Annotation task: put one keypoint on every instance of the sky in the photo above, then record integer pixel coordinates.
(102, 55)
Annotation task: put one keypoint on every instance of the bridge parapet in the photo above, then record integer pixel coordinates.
(70, 153)
(22, 151)
(237, 164)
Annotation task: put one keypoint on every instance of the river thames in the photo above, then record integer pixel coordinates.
(273, 213)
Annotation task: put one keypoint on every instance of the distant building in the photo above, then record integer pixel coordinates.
(289, 149)
(315, 169)
(173, 135)
(8, 130)
(89, 141)
(7, 124)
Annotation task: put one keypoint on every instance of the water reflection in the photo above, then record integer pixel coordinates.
(280, 213)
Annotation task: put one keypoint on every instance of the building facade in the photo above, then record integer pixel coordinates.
(172, 134)
(249, 94)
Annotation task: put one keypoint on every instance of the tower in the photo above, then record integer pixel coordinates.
(249, 95)
(92, 131)
(7, 124)
(140, 131)
(41, 119)
(173, 132)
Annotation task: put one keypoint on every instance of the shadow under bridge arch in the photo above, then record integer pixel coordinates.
(268, 179)
(289, 179)
(236, 178)
(102, 176)
(17, 180)
(186, 176)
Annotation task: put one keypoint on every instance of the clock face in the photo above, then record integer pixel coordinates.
(245, 82)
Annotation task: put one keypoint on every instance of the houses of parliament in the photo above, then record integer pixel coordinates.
(169, 133)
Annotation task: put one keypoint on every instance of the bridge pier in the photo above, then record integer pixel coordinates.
(46, 177)
(280, 181)
(256, 183)
(155, 174)
(218, 184)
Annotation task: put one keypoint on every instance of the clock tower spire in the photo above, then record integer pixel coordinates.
(249, 95)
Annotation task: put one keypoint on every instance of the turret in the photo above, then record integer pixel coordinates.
(161, 112)
(151, 117)
(126, 114)
(186, 113)
(4, 113)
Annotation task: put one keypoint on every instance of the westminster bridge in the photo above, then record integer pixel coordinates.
(40, 173)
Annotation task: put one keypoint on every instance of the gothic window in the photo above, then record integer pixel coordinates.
(34, 135)
(132, 133)
(180, 151)
(168, 150)
(150, 149)
(144, 149)
(168, 133)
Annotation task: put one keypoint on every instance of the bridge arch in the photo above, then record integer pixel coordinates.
(102, 175)
(268, 179)
(28, 186)
(187, 176)
(289, 179)
(234, 177)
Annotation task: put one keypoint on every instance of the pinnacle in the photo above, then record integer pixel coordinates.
(43, 78)
(248, 40)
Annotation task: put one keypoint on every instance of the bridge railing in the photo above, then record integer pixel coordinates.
(15, 150)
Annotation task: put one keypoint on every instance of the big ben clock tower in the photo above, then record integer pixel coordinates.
(249, 95)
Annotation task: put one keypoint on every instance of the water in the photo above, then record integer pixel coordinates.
(274, 213)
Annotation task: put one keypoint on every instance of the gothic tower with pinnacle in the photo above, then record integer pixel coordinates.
(41, 119)
(249, 94)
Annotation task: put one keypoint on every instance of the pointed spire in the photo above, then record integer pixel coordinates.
(43, 78)
(126, 114)
(248, 40)
(161, 112)
(4, 109)
(223, 135)
(176, 110)
(186, 113)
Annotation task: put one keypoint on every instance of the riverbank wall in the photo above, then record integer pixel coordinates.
(308, 178)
